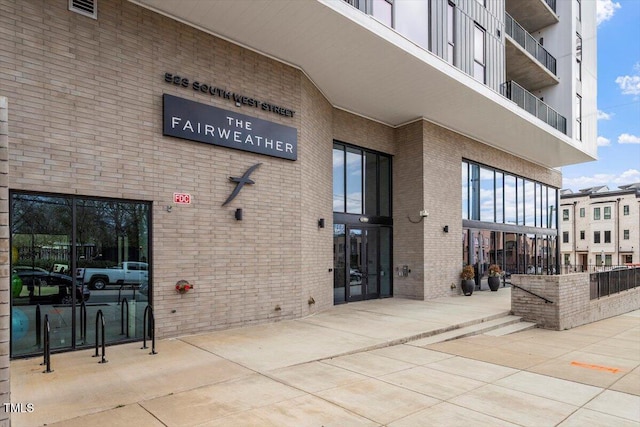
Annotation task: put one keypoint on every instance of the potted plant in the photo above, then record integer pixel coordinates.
(495, 273)
(467, 275)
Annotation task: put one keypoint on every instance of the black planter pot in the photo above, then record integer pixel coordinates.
(467, 286)
(494, 283)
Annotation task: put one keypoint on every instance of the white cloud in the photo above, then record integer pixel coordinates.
(630, 85)
(626, 138)
(611, 180)
(605, 9)
(603, 142)
(604, 116)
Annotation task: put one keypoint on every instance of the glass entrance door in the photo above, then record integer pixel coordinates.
(363, 264)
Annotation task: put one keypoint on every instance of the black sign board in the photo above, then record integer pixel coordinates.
(194, 121)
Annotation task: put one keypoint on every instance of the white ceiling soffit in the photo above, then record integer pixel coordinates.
(364, 67)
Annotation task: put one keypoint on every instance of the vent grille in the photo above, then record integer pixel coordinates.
(85, 7)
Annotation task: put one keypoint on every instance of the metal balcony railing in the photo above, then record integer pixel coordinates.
(529, 43)
(552, 4)
(527, 101)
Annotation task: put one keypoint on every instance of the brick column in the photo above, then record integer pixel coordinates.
(5, 295)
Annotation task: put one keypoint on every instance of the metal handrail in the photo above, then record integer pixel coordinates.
(546, 301)
(529, 43)
(529, 102)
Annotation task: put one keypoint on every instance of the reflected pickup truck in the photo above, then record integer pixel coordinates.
(125, 273)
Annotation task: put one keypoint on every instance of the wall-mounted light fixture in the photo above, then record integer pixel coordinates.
(445, 229)
(423, 214)
(168, 208)
(321, 223)
(239, 214)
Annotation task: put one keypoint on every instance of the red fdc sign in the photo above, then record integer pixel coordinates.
(182, 198)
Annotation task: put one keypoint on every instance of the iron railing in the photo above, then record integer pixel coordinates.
(613, 280)
(529, 43)
(552, 4)
(529, 102)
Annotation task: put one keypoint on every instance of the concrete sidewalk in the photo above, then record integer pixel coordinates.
(370, 363)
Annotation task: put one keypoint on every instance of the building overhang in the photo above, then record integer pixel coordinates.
(364, 67)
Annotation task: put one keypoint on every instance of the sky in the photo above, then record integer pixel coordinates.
(618, 100)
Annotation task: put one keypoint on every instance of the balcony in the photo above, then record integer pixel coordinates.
(533, 15)
(533, 105)
(527, 61)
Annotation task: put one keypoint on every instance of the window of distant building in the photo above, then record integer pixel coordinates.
(607, 236)
(625, 234)
(565, 214)
(628, 259)
(479, 65)
(582, 233)
(596, 237)
(596, 213)
(567, 261)
(565, 237)
(607, 212)
(625, 210)
(582, 212)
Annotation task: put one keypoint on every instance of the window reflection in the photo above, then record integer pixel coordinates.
(338, 180)
(493, 197)
(354, 181)
(70, 251)
(361, 181)
(487, 195)
(412, 19)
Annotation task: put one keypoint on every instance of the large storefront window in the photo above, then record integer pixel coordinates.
(507, 220)
(362, 233)
(70, 258)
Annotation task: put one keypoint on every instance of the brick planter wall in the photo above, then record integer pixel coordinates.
(571, 305)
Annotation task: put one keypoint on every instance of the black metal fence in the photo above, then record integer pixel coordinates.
(612, 280)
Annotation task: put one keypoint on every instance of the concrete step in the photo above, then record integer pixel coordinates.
(467, 331)
(510, 329)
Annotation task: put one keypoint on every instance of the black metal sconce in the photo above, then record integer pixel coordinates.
(239, 214)
(446, 229)
(321, 223)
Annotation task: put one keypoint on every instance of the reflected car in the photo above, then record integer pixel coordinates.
(45, 287)
(144, 288)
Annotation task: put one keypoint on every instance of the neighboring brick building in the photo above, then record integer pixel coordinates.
(600, 227)
(375, 147)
